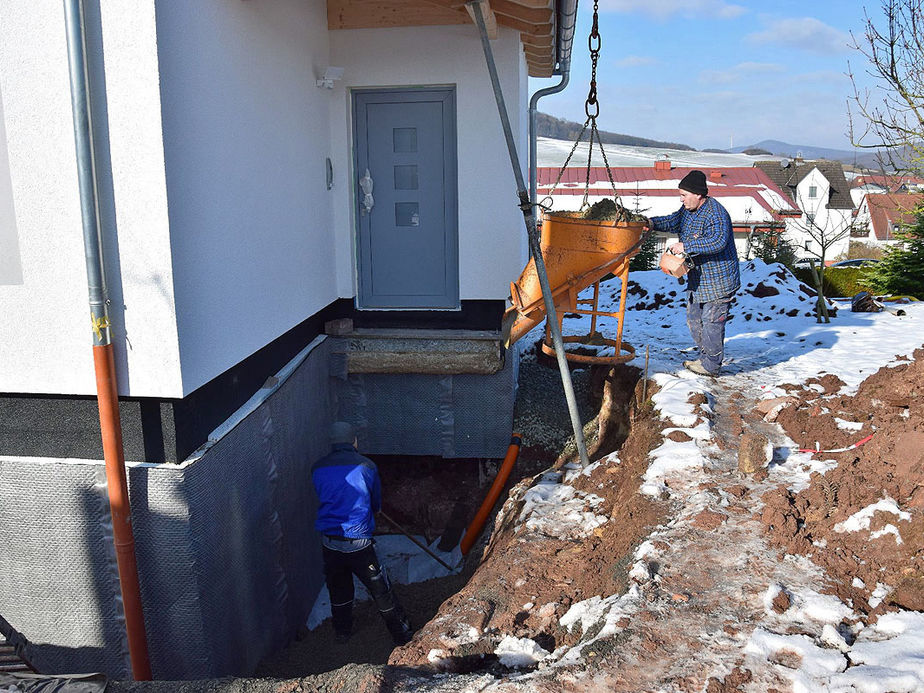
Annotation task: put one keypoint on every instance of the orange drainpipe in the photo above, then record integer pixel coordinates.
(474, 529)
(104, 364)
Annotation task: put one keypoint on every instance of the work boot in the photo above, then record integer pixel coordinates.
(342, 617)
(698, 368)
(398, 626)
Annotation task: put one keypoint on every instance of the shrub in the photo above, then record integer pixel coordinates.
(647, 256)
(902, 268)
(838, 281)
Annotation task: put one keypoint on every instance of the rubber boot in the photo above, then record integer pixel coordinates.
(342, 616)
(398, 625)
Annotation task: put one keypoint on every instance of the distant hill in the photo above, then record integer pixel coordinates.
(561, 129)
(864, 158)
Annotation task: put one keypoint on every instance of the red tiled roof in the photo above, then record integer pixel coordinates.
(887, 210)
(722, 181)
(888, 182)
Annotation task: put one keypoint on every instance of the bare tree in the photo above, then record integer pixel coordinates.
(825, 231)
(890, 116)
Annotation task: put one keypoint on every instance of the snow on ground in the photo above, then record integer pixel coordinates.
(771, 340)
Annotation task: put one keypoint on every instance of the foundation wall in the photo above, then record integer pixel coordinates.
(228, 559)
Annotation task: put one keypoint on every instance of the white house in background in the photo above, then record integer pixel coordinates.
(820, 190)
(863, 184)
(231, 139)
(754, 202)
(882, 214)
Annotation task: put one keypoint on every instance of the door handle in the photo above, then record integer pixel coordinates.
(365, 184)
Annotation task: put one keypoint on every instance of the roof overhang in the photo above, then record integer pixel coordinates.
(535, 20)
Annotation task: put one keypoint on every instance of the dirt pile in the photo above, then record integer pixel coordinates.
(863, 519)
(530, 574)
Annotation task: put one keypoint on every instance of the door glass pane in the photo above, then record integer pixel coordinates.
(407, 214)
(405, 139)
(405, 178)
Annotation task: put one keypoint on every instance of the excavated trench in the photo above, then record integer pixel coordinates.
(435, 497)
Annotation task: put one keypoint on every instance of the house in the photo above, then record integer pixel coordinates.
(865, 183)
(882, 214)
(819, 189)
(754, 202)
(263, 168)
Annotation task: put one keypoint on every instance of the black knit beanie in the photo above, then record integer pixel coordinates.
(694, 182)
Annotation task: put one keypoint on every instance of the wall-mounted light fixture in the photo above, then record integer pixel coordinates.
(331, 75)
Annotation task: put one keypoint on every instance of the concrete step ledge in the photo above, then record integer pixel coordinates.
(420, 351)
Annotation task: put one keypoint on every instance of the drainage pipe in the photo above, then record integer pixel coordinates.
(567, 21)
(477, 524)
(533, 237)
(103, 361)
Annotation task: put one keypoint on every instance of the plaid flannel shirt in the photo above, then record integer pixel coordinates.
(707, 237)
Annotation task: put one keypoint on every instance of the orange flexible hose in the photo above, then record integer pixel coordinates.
(477, 524)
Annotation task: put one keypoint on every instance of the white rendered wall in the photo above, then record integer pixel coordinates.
(45, 332)
(492, 236)
(245, 141)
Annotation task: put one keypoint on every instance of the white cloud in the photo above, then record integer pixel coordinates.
(635, 61)
(806, 33)
(741, 71)
(665, 9)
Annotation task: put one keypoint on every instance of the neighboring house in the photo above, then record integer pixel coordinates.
(754, 202)
(865, 183)
(882, 214)
(820, 190)
(230, 151)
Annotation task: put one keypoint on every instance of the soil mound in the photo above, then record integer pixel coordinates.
(863, 519)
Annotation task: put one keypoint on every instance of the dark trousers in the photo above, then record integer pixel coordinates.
(339, 569)
(707, 327)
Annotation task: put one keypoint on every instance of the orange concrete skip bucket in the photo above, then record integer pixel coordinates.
(577, 253)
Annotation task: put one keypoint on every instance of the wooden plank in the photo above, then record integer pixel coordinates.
(490, 21)
(525, 27)
(372, 14)
(546, 41)
(530, 15)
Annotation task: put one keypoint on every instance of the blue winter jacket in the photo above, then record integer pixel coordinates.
(349, 493)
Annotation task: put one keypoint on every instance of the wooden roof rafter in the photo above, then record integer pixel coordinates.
(534, 19)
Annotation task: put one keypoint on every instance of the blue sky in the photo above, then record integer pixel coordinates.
(709, 72)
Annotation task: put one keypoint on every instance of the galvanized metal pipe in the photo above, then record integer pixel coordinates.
(104, 362)
(532, 233)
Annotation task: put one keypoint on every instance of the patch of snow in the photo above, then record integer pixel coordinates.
(519, 652)
(888, 529)
(886, 656)
(880, 593)
(860, 519)
(559, 510)
(848, 425)
(813, 661)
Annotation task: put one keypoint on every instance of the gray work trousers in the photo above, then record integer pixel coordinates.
(707, 327)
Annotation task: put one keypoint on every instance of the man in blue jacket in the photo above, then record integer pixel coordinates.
(706, 237)
(350, 493)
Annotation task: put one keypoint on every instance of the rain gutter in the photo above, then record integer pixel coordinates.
(567, 21)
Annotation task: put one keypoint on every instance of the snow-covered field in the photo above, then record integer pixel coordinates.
(554, 152)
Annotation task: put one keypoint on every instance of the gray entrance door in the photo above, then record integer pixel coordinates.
(405, 145)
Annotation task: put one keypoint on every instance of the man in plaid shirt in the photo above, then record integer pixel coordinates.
(705, 232)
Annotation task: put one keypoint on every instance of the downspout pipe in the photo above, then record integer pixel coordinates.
(103, 361)
(567, 21)
(532, 233)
